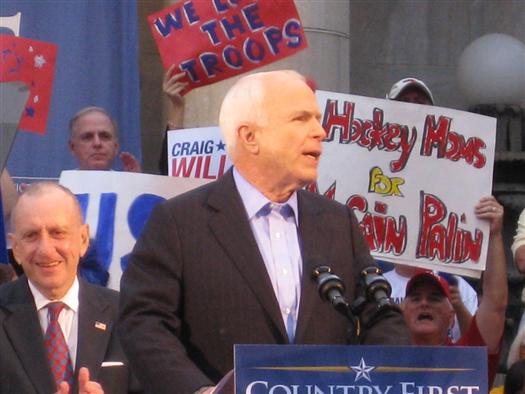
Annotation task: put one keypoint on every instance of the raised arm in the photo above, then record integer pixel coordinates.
(491, 311)
(462, 313)
(172, 86)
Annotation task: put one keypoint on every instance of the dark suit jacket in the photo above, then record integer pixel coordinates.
(197, 284)
(23, 362)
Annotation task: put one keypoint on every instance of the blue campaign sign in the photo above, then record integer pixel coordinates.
(294, 369)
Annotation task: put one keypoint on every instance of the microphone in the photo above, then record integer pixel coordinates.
(331, 289)
(330, 286)
(377, 287)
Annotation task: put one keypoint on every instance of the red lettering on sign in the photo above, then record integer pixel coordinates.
(369, 133)
(449, 144)
(383, 233)
(440, 236)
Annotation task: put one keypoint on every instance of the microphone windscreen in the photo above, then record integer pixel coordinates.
(311, 265)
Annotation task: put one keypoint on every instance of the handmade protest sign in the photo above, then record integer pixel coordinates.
(416, 174)
(33, 63)
(116, 205)
(212, 40)
(411, 173)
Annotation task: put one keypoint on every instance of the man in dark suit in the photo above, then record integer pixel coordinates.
(48, 238)
(231, 262)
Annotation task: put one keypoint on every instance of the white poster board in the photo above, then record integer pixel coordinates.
(116, 206)
(412, 173)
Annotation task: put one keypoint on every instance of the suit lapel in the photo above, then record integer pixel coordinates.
(94, 329)
(314, 246)
(230, 225)
(24, 331)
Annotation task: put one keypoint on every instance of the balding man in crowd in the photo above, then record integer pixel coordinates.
(94, 142)
(57, 332)
(231, 262)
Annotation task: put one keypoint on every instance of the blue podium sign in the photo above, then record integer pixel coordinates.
(313, 369)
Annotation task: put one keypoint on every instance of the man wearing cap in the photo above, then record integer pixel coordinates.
(411, 90)
(429, 313)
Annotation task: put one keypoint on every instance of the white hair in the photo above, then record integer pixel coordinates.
(73, 121)
(244, 104)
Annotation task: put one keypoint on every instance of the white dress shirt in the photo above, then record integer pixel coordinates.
(68, 318)
(274, 226)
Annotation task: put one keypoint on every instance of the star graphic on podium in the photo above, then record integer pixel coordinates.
(362, 371)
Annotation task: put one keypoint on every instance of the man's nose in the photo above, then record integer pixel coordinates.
(318, 131)
(45, 246)
(96, 140)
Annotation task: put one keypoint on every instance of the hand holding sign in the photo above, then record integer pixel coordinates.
(173, 84)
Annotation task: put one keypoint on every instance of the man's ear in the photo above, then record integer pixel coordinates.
(71, 146)
(13, 241)
(247, 136)
(84, 239)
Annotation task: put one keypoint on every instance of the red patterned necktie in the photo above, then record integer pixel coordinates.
(56, 346)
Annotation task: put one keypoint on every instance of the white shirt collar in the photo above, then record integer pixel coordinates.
(254, 200)
(70, 298)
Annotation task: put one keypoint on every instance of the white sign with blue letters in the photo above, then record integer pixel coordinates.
(116, 205)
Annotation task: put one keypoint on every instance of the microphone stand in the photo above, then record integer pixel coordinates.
(331, 289)
(377, 290)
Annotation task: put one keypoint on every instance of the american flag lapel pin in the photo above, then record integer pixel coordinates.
(100, 325)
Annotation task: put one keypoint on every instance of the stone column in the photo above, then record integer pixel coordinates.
(326, 60)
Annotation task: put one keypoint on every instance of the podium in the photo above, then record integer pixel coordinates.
(318, 369)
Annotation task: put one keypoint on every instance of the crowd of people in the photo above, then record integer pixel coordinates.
(227, 263)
